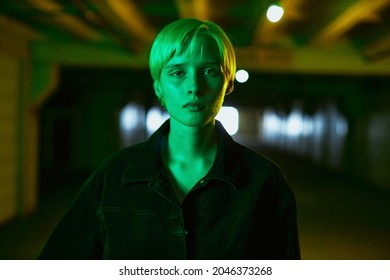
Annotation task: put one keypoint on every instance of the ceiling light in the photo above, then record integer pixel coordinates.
(275, 13)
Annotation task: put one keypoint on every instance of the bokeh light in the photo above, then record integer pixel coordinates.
(229, 118)
(242, 76)
(275, 13)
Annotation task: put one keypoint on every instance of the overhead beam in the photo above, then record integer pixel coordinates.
(126, 15)
(199, 9)
(87, 54)
(69, 22)
(361, 11)
(345, 60)
(378, 50)
(18, 29)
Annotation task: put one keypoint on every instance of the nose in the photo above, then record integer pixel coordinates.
(196, 84)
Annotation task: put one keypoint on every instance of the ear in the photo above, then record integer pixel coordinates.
(229, 87)
(157, 89)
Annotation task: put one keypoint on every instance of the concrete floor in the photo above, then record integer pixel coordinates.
(339, 218)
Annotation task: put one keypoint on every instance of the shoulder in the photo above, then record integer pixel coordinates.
(124, 156)
(143, 153)
(254, 160)
(258, 170)
(110, 172)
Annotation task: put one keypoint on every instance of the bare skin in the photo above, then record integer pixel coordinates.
(189, 156)
(193, 88)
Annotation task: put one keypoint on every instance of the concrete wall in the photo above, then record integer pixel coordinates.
(23, 86)
(9, 148)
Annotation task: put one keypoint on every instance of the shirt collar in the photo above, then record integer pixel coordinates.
(146, 162)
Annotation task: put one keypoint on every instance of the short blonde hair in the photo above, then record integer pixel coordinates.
(181, 35)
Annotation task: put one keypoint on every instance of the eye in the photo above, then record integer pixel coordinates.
(211, 71)
(176, 73)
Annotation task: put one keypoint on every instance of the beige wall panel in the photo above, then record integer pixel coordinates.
(9, 76)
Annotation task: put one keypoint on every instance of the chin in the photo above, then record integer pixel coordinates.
(198, 122)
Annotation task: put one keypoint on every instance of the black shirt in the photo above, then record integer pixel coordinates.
(242, 209)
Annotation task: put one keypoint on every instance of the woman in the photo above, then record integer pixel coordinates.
(189, 191)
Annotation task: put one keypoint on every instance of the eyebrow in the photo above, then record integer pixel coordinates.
(178, 65)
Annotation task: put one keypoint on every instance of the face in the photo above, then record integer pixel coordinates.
(193, 85)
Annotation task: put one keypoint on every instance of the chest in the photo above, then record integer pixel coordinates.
(148, 226)
(183, 178)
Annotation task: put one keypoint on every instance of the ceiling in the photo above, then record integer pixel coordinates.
(349, 36)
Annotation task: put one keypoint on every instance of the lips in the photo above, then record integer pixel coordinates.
(193, 106)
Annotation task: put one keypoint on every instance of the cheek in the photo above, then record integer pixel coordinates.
(171, 99)
(219, 86)
(170, 88)
(217, 103)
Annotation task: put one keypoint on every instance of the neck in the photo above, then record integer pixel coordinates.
(191, 143)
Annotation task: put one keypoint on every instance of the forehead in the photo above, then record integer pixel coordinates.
(201, 48)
